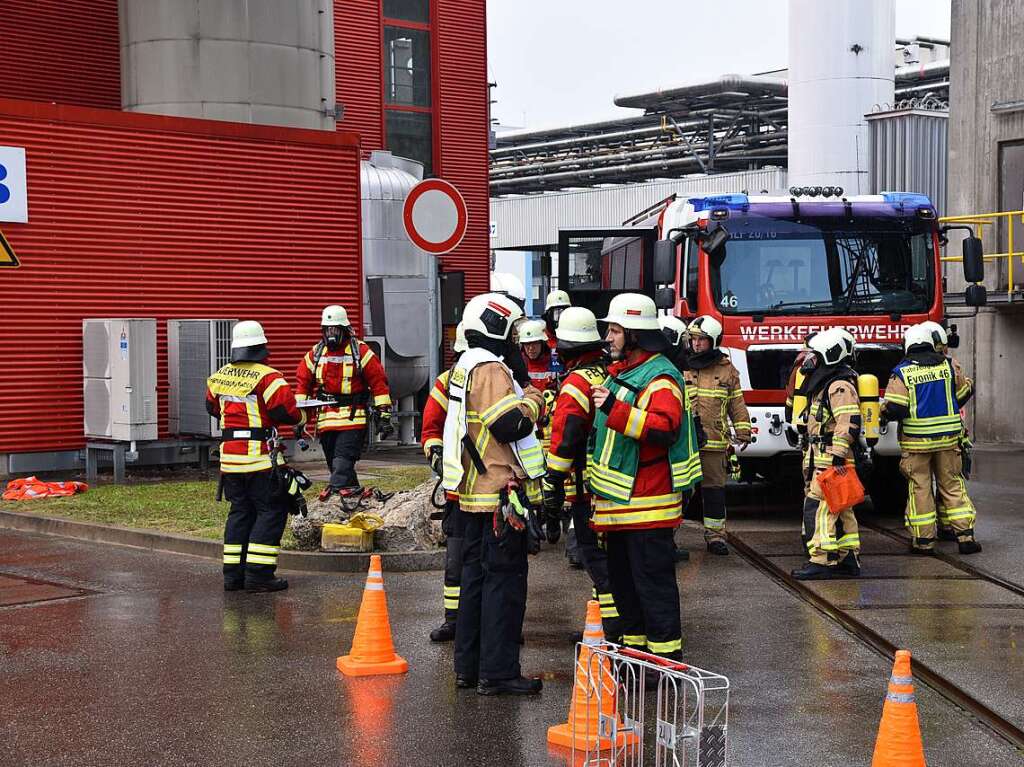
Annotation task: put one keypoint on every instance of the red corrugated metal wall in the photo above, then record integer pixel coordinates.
(359, 51)
(462, 65)
(138, 215)
(61, 50)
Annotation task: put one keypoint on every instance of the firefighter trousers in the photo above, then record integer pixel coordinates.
(955, 507)
(642, 571)
(829, 537)
(492, 602)
(595, 561)
(252, 533)
(452, 561)
(342, 450)
(714, 465)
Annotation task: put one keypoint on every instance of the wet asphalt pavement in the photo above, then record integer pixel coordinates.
(145, 661)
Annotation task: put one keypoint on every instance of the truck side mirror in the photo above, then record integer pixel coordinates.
(976, 295)
(952, 338)
(715, 240)
(665, 262)
(665, 298)
(974, 261)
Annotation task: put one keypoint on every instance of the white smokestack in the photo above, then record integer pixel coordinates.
(840, 67)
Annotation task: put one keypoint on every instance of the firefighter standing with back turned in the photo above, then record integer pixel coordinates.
(644, 460)
(713, 386)
(493, 459)
(344, 370)
(431, 438)
(925, 394)
(833, 424)
(581, 348)
(250, 398)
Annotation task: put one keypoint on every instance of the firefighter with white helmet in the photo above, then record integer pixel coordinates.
(833, 425)
(925, 394)
(583, 350)
(557, 301)
(713, 387)
(644, 460)
(534, 342)
(250, 399)
(509, 285)
(491, 457)
(435, 410)
(343, 370)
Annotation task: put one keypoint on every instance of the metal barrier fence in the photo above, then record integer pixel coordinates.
(979, 221)
(690, 709)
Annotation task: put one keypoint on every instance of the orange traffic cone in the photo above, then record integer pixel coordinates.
(372, 650)
(590, 697)
(899, 734)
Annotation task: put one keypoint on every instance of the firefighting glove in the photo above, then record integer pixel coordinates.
(436, 460)
(549, 407)
(385, 424)
(838, 461)
(702, 436)
(553, 494)
(516, 363)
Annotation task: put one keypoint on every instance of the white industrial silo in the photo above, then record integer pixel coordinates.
(840, 67)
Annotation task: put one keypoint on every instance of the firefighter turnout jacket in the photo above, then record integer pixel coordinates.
(925, 394)
(352, 375)
(482, 443)
(434, 411)
(572, 421)
(249, 399)
(833, 426)
(644, 448)
(716, 399)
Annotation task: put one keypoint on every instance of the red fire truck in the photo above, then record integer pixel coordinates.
(773, 269)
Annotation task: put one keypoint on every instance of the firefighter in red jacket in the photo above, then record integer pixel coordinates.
(583, 351)
(435, 411)
(534, 341)
(250, 399)
(344, 370)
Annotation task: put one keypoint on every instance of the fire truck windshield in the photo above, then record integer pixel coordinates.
(774, 266)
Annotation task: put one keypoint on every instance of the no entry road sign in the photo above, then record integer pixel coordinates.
(435, 216)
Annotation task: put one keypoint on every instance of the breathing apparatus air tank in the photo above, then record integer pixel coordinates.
(870, 411)
(799, 402)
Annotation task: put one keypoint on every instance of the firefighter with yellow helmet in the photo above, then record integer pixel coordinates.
(713, 387)
(925, 394)
(832, 424)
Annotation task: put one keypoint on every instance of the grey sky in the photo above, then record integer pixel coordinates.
(562, 61)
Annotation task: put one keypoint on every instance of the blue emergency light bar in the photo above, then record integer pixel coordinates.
(729, 201)
(907, 199)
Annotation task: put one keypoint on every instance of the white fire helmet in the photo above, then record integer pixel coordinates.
(673, 328)
(509, 285)
(577, 325)
(247, 333)
(832, 345)
(939, 335)
(557, 299)
(334, 316)
(633, 311)
(917, 335)
(460, 344)
(707, 326)
(533, 331)
(492, 315)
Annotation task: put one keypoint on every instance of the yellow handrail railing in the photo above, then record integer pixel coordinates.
(979, 221)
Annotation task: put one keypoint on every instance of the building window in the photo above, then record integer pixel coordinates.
(406, 67)
(410, 134)
(408, 10)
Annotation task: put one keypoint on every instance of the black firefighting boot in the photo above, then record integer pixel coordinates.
(969, 547)
(718, 547)
(849, 566)
(443, 633)
(519, 686)
(947, 534)
(812, 571)
(273, 584)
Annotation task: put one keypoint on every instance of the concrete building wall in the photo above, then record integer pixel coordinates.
(250, 61)
(986, 66)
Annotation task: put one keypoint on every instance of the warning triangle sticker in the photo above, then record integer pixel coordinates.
(7, 258)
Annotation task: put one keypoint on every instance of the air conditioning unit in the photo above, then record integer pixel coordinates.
(195, 349)
(119, 370)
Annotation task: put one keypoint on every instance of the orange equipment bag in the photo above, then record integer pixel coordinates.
(841, 488)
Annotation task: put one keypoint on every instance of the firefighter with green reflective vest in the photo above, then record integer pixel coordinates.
(713, 387)
(493, 460)
(583, 350)
(832, 424)
(925, 394)
(947, 531)
(643, 461)
(250, 398)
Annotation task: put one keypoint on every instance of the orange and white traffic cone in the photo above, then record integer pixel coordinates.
(591, 697)
(372, 649)
(899, 734)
